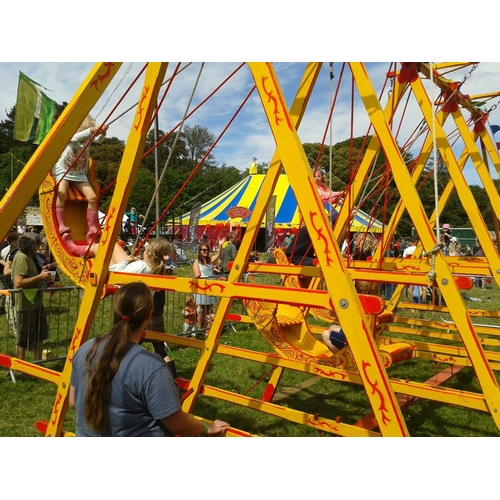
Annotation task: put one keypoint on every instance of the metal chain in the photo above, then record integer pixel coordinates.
(167, 163)
(468, 74)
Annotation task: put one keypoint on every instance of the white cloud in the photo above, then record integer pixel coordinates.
(249, 135)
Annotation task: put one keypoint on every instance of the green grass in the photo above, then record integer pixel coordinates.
(30, 400)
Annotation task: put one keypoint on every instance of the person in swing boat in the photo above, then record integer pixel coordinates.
(72, 168)
(325, 193)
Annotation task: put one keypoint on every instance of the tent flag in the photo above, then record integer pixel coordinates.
(495, 128)
(34, 111)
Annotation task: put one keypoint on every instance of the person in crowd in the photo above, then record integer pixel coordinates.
(476, 248)
(155, 258)
(446, 238)
(72, 168)
(7, 272)
(454, 248)
(365, 245)
(408, 252)
(189, 314)
(157, 324)
(30, 313)
(155, 254)
(203, 267)
(229, 251)
(396, 249)
(479, 252)
(254, 256)
(334, 338)
(325, 193)
(301, 251)
(287, 240)
(119, 389)
(5, 247)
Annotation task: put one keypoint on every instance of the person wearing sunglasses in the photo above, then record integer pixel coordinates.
(203, 267)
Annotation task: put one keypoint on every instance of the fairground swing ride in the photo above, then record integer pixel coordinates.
(378, 335)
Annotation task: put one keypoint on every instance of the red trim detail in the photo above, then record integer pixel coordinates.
(408, 73)
(5, 361)
(268, 393)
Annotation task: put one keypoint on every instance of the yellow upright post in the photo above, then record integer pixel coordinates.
(128, 169)
(340, 287)
(416, 211)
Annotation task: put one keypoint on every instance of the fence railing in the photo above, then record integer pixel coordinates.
(62, 305)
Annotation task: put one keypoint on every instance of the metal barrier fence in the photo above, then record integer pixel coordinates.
(62, 305)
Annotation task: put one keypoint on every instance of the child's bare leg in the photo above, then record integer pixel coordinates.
(86, 189)
(62, 194)
(326, 338)
(93, 226)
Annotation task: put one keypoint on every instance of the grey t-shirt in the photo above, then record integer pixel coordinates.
(143, 392)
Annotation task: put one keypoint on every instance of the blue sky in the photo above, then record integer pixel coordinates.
(249, 135)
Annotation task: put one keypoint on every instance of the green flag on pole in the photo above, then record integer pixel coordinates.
(34, 111)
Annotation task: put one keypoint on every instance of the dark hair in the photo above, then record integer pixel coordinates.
(28, 245)
(132, 306)
(12, 236)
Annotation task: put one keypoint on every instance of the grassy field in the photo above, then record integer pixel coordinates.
(29, 400)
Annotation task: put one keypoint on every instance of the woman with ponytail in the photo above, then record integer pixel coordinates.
(120, 389)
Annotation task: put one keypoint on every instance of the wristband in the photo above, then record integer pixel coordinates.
(205, 429)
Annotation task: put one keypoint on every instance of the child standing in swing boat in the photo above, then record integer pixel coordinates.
(68, 171)
(325, 193)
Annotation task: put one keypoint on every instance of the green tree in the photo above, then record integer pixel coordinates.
(107, 158)
(198, 140)
(160, 151)
(142, 192)
(13, 154)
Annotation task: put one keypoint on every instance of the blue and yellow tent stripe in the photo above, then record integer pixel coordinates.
(245, 194)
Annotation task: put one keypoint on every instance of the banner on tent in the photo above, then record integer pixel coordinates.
(241, 212)
(193, 223)
(270, 218)
(192, 233)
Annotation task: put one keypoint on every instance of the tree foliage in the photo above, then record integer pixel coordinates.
(184, 181)
(198, 140)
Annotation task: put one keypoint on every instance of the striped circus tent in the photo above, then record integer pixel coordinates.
(244, 194)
